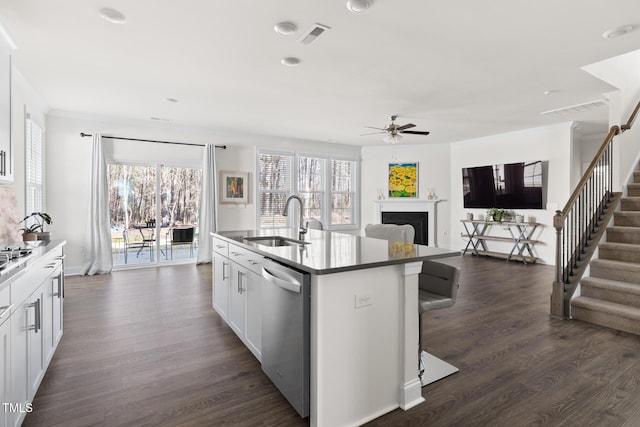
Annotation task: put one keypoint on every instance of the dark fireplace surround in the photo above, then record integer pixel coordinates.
(419, 221)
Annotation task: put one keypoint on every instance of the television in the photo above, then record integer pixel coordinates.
(508, 186)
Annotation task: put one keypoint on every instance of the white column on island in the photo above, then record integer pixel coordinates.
(411, 390)
(413, 205)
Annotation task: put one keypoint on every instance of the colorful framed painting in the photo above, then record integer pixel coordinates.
(403, 180)
(234, 187)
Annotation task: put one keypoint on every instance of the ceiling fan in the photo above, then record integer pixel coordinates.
(394, 131)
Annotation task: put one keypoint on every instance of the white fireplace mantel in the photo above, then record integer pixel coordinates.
(413, 205)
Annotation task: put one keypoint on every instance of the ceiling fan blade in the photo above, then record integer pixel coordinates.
(372, 133)
(371, 127)
(407, 126)
(415, 132)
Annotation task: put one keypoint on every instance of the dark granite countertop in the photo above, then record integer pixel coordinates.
(332, 252)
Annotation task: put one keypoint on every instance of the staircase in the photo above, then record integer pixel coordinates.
(610, 296)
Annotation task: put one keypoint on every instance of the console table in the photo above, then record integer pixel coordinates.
(477, 231)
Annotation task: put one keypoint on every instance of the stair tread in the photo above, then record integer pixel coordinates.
(619, 265)
(620, 246)
(610, 284)
(607, 307)
(624, 228)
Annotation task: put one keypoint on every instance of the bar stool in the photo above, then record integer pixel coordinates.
(438, 286)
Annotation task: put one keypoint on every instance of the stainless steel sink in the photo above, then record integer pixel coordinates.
(275, 241)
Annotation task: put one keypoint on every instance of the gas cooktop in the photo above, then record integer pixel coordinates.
(11, 255)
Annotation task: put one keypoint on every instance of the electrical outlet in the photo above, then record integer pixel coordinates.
(363, 300)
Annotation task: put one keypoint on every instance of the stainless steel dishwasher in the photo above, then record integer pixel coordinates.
(285, 332)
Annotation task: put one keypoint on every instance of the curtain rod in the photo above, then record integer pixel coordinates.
(82, 134)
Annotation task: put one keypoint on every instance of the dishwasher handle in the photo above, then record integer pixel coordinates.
(290, 285)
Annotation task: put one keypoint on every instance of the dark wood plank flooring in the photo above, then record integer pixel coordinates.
(144, 347)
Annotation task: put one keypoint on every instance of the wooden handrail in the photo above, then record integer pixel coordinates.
(632, 118)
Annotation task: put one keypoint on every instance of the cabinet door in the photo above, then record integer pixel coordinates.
(19, 359)
(6, 149)
(36, 345)
(57, 291)
(238, 283)
(221, 285)
(253, 329)
(51, 313)
(5, 372)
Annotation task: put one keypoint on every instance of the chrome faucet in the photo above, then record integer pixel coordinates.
(285, 212)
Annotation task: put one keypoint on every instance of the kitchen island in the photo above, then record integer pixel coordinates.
(363, 322)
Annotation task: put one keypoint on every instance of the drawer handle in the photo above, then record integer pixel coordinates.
(236, 253)
(220, 246)
(7, 309)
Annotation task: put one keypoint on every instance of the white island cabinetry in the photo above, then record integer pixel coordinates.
(236, 292)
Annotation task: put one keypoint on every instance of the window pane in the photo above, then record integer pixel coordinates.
(274, 172)
(341, 175)
(179, 196)
(271, 207)
(341, 209)
(312, 205)
(309, 174)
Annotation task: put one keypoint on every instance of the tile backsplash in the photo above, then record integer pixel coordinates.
(9, 215)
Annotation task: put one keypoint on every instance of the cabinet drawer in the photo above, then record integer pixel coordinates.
(35, 274)
(246, 258)
(221, 246)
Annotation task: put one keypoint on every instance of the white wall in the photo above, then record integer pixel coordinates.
(552, 144)
(622, 72)
(68, 158)
(433, 173)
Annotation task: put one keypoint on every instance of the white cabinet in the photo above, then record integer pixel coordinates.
(253, 327)
(221, 284)
(6, 148)
(36, 328)
(237, 300)
(5, 361)
(236, 292)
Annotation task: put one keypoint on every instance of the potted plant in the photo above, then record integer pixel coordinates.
(34, 230)
(496, 214)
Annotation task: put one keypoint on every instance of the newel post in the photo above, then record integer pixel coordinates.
(557, 293)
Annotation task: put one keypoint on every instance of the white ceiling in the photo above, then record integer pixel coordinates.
(460, 69)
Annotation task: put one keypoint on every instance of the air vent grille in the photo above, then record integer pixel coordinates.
(312, 34)
(578, 108)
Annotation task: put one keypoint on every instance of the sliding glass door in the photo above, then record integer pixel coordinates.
(154, 213)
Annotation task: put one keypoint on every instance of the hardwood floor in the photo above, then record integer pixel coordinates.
(144, 347)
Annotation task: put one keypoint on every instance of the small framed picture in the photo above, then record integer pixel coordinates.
(234, 187)
(403, 180)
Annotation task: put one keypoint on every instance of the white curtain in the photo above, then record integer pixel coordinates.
(208, 198)
(98, 258)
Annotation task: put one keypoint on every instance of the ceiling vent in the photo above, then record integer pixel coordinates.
(578, 108)
(313, 33)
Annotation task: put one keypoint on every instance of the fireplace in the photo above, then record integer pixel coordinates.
(422, 215)
(419, 221)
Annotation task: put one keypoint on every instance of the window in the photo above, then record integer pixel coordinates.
(34, 187)
(326, 185)
(343, 194)
(274, 186)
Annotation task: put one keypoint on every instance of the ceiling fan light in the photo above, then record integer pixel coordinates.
(392, 138)
(359, 5)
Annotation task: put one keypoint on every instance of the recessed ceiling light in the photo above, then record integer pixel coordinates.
(112, 16)
(172, 100)
(359, 5)
(290, 62)
(550, 92)
(285, 28)
(612, 33)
